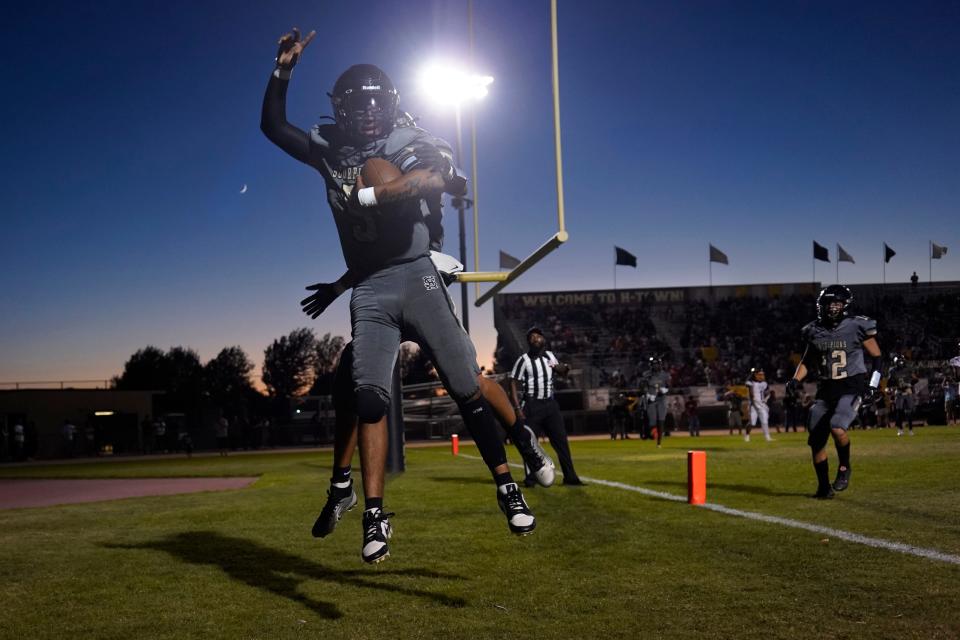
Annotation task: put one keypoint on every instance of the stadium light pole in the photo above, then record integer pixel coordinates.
(448, 85)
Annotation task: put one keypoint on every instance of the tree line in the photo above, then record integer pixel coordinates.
(296, 364)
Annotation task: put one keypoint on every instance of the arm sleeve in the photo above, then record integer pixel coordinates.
(273, 122)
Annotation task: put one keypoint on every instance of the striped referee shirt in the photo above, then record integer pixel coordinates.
(535, 374)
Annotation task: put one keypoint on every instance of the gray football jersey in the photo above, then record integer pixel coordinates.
(837, 353)
(654, 380)
(369, 240)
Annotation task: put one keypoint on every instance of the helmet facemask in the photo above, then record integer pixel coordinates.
(366, 114)
(832, 304)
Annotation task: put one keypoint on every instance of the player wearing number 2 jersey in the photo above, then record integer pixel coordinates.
(843, 351)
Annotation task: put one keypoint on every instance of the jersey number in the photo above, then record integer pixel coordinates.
(838, 364)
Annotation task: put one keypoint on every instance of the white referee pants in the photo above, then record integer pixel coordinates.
(761, 413)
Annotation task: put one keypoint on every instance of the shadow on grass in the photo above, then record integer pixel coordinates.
(739, 488)
(282, 573)
(483, 479)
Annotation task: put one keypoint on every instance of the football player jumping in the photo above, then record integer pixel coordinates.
(399, 290)
(838, 349)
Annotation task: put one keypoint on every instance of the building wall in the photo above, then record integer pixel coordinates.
(46, 409)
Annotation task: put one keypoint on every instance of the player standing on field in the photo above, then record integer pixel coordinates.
(759, 411)
(843, 351)
(655, 383)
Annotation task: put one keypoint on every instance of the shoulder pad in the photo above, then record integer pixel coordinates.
(867, 325)
(403, 136)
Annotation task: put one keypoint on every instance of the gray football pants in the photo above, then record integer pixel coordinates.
(409, 299)
(826, 416)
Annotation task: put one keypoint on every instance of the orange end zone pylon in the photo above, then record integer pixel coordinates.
(696, 477)
(455, 444)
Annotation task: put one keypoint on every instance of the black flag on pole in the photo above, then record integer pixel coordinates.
(820, 252)
(625, 258)
(936, 251)
(718, 256)
(507, 261)
(888, 253)
(843, 256)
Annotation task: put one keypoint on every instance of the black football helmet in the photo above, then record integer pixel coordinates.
(827, 311)
(365, 102)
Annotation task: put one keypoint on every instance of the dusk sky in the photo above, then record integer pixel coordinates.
(130, 128)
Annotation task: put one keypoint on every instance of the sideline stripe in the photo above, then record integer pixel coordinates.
(876, 543)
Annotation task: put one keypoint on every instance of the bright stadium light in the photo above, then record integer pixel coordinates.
(448, 85)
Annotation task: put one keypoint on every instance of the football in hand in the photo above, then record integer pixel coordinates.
(377, 171)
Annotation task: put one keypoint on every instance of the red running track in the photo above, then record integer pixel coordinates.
(16, 494)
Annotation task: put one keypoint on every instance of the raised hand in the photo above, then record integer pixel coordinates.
(291, 46)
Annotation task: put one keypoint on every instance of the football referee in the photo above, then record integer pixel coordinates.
(534, 370)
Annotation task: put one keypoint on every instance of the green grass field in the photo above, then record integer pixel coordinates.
(604, 562)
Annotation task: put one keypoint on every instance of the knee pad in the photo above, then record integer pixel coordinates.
(371, 406)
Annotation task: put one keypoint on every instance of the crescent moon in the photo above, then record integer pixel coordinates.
(243, 189)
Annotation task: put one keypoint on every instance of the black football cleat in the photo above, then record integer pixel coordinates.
(824, 494)
(339, 501)
(542, 469)
(519, 517)
(376, 531)
(843, 479)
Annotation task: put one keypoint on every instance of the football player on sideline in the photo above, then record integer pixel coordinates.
(759, 411)
(399, 292)
(835, 346)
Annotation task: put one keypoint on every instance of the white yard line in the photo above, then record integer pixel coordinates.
(876, 543)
